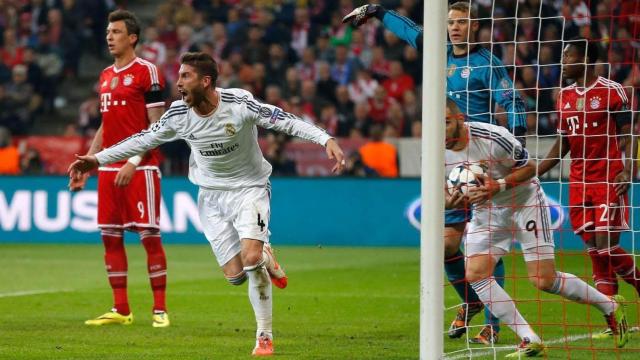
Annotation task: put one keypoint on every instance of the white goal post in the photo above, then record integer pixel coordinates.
(432, 183)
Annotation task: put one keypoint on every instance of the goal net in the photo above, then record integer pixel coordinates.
(583, 210)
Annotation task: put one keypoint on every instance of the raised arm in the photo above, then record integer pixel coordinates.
(401, 26)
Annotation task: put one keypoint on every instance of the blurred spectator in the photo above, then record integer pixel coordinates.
(151, 48)
(393, 47)
(355, 167)
(235, 24)
(292, 83)
(273, 96)
(380, 155)
(379, 105)
(303, 32)
(339, 33)
(324, 50)
(221, 45)
(255, 50)
(281, 164)
(412, 64)
(185, 42)
(344, 105)
(276, 66)
(359, 49)
(9, 154)
(259, 82)
(11, 53)
(411, 106)
(326, 84)
(295, 107)
(379, 64)
(89, 118)
(361, 121)
(22, 99)
(363, 87)
(344, 67)
(31, 163)
(329, 119)
(310, 103)
(307, 68)
(398, 82)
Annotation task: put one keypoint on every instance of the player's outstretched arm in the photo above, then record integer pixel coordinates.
(622, 181)
(335, 152)
(401, 26)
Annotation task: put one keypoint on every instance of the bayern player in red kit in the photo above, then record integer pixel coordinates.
(129, 191)
(595, 127)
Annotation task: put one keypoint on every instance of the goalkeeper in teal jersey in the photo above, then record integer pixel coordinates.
(477, 82)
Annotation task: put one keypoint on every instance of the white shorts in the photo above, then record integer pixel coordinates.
(492, 229)
(227, 216)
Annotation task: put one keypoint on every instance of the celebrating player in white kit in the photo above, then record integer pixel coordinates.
(226, 163)
(512, 205)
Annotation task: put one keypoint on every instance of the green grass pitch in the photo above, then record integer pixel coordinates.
(341, 303)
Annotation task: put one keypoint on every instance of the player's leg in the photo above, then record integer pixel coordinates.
(612, 218)
(538, 248)
(582, 215)
(454, 265)
(544, 276)
(142, 213)
(251, 208)
(480, 266)
(115, 256)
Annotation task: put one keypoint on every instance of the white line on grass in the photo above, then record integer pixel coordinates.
(472, 353)
(32, 292)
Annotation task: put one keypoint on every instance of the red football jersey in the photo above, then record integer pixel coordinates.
(123, 104)
(587, 121)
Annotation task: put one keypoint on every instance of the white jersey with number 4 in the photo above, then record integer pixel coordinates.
(224, 148)
(496, 149)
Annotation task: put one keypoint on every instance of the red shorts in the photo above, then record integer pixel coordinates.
(136, 205)
(597, 207)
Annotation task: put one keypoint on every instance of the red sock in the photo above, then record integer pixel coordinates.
(156, 266)
(624, 266)
(603, 275)
(115, 259)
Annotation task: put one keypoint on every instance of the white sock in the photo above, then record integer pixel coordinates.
(502, 306)
(260, 297)
(573, 288)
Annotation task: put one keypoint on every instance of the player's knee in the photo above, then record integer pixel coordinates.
(472, 275)
(252, 259)
(237, 279)
(543, 283)
(450, 249)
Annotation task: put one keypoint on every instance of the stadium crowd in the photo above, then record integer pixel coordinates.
(299, 56)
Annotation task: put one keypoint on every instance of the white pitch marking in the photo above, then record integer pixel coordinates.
(495, 350)
(31, 292)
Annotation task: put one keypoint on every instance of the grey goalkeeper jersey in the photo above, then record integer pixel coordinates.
(224, 145)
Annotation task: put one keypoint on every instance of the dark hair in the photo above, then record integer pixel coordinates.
(130, 21)
(586, 48)
(464, 7)
(203, 63)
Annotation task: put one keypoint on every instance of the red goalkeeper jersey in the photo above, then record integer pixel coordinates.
(125, 95)
(589, 119)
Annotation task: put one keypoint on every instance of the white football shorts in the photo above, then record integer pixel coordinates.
(492, 229)
(230, 215)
